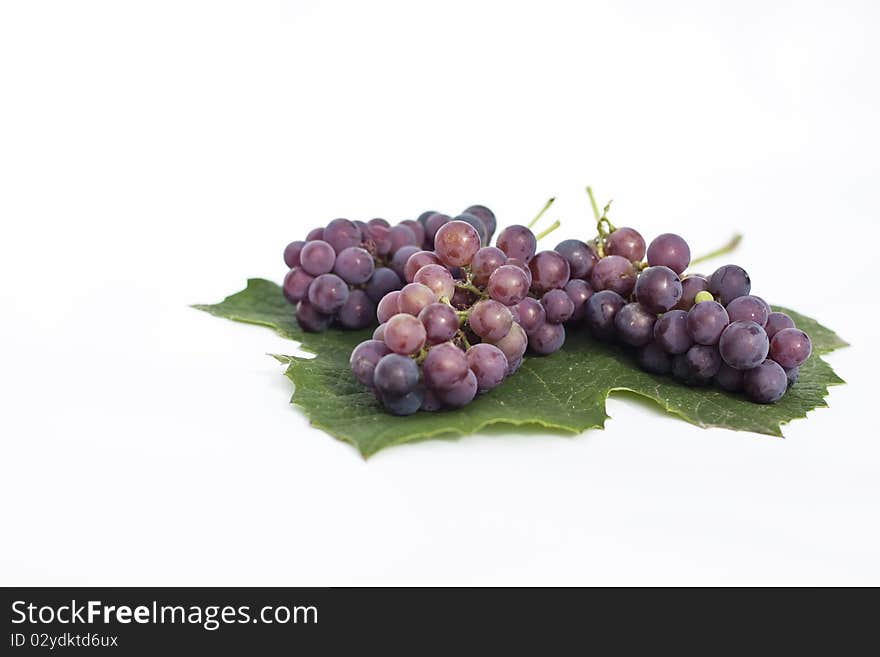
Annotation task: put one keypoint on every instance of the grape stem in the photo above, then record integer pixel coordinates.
(556, 224)
(593, 203)
(464, 340)
(470, 287)
(731, 245)
(541, 213)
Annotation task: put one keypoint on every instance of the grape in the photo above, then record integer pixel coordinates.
(358, 311)
(558, 306)
(485, 261)
(547, 338)
(395, 375)
(508, 285)
(423, 218)
(477, 223)
(296, 284)
(669, 250)
(706, 321)
(441, 322)
(310, 319)
(405, 334)
(765, 383)
(580, 256)
(514, 366)
(489, 365)
(388, 307)
(517, 242)
(364, 358)
(456, 243)
(671, 332)
(486, 215)
(291, 253)
(402, 236)
(530, 314)
(490, 320)
(418, 260)
(614, 273)
(401, 257)
(743, 345)
(461, 392)
(341, 234)
(406, 404)
(363, 225)
(444, 366)
(697, 365)
(438, 279)
(728, 283)
(431, 402)
(690, 285)
(383, 281)
(728, 378)
(792, 375)
(317, 257)
(776, 322)
(433, 224)
(378, 239)
(354, 265)
(415, 296)
(601, 310)
(549, 271)
(749, 309)
(315, 234)
(516, 262)
(634, 325)
(417, 229)
(579, 292)
(790, 347)
(379, 333)
(513, 344)
(378, 221)
(658, 289)
(627, 243)
(653, 359)
(328, 293)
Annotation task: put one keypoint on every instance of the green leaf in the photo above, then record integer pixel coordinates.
(564, 392)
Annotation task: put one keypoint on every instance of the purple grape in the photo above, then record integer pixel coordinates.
(395, 375)
(402, 236)
(317, 257)
(627, 243)
(417, 229)
(485, 215)
(579, 292)
(490, 320)
(456, 243)
(580, 256)
(486, 260)
(404, 334)
(514, 366)
(697, 365)
(364, 358)
(513, 344)
(378, 221)
(438, 279)
(530, 314)
(296, 284)
(406, 404)
(328, 293)
(601, 310)
(378, 239)
(728, 283)
(658, 289)
(653, 359)
(415, 296)
(516, 262)
(614, 273)
(749, 309)
(388, 307)
(669, 250)
(379, 333)
(792, 375)
(441, 322)
(382, 282)
(558, 306)
(460, 393)
(291, 253)
(423, 218)
(517, 242)
(354, 265)
(315, 234)
(550, 271)
(358, 311)
(477, 224)
(418, 260)
(547, 338)
(743, 345)
(765, 383)
(790, 347)
(433, 224)
(508, 285)
(671, 332)
(706, 320)
(341, 234)
(310, 319)
(489, 365)
(728, 378)
(690, 285)
(444, 366)
(401, 257)
(431, 401)
(634, 325)
(776, 322)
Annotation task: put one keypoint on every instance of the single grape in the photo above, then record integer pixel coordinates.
(490, 320)
(743, 345)
(580, 256)
(417, 229)
(444, 366)
(395, 375)
(706, 321)
(379, 333)
(690, 286)
(634, 325)
(364, 358)
(486, 260)
(558, 306)
(513, 344)
(363, 225)
(517, 242)
(765, 383)
(749, 309)
(792, 375)
(456, 243)
(697, 365)
(418, 260)
(530, 314)
(776, 322)
(728, 378)
(486, 215)
(378, 239)
(328, 293)
(402, 236)
(460, 393)
(550, 271)
(601, 310)
(669, 250)
(441, 322)
(315, 234)
(341, 234)
(516, 262)
(382, 282)
(433, 224)
(431, 402)
(358, 311)
(653, 359)
(354, 265)
(627, 243)
(790, 347)
(291, 253)
(478, 225)
(388, 307)
(547, 338)
(438, 278)
(614, 273)
(489, 365)
(579, 291)
(671, 332)
(378, 221)
(296, 284)
(415, 296)
(729, 282)
(401, 257)
(423, 218)
(405, 334)
(658, 289)
(508, 285)
(317, 257)
(703, 296)
(310, 319)
(514, 366)
(406, 404)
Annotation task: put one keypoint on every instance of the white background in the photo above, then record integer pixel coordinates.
(155, 154)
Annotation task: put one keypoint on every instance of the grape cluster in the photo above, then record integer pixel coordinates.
(700, 329)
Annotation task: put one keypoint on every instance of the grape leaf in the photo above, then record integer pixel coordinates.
(564, 392)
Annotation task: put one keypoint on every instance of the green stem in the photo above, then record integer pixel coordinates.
(541, 213)
(464, 340)
(556, 224)
(720, 251)
(470, 287)
(593, 202)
